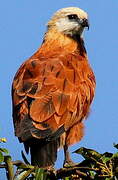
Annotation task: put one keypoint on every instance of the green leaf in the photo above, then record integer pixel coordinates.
(88, 153)
(115, 156)
(24, 175)
(115, 145)
(25, 166)
(3, 140)
(40, 174)
(92, 173)
(107, 154)
(4, 150)
(10, 167)
(67, 178)
(1, 157)
(106, 157)
(86, 163)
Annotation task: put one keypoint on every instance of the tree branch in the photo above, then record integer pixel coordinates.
(64, 172)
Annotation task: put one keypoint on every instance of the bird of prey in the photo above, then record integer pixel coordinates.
(52, 91)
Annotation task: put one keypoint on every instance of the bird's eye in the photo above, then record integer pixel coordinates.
(72, 16)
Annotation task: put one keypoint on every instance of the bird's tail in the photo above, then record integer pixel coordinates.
(44, 154)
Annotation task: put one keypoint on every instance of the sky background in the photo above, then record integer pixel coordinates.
(22, 26)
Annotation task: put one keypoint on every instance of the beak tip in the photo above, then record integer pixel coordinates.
(85, 23)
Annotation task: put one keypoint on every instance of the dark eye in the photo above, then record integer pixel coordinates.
(72, 16)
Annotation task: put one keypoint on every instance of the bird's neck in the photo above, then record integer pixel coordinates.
(56, 42)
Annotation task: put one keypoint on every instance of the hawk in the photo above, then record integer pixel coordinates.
(52, 91)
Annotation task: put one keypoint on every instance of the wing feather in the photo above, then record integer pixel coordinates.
(42, 109)
(50, 93)
(60, 102)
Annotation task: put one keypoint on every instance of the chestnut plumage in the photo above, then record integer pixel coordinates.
(52, 91)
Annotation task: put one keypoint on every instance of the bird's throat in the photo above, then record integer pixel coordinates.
(60, 40)
(56, 42)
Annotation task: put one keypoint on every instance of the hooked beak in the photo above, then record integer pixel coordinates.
(84, 23)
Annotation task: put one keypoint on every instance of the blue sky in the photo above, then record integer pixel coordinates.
(22, 25)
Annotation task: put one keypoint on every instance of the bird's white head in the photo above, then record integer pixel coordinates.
(69, 21)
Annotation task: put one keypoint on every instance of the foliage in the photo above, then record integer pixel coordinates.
(3, 151)
(94, 166)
